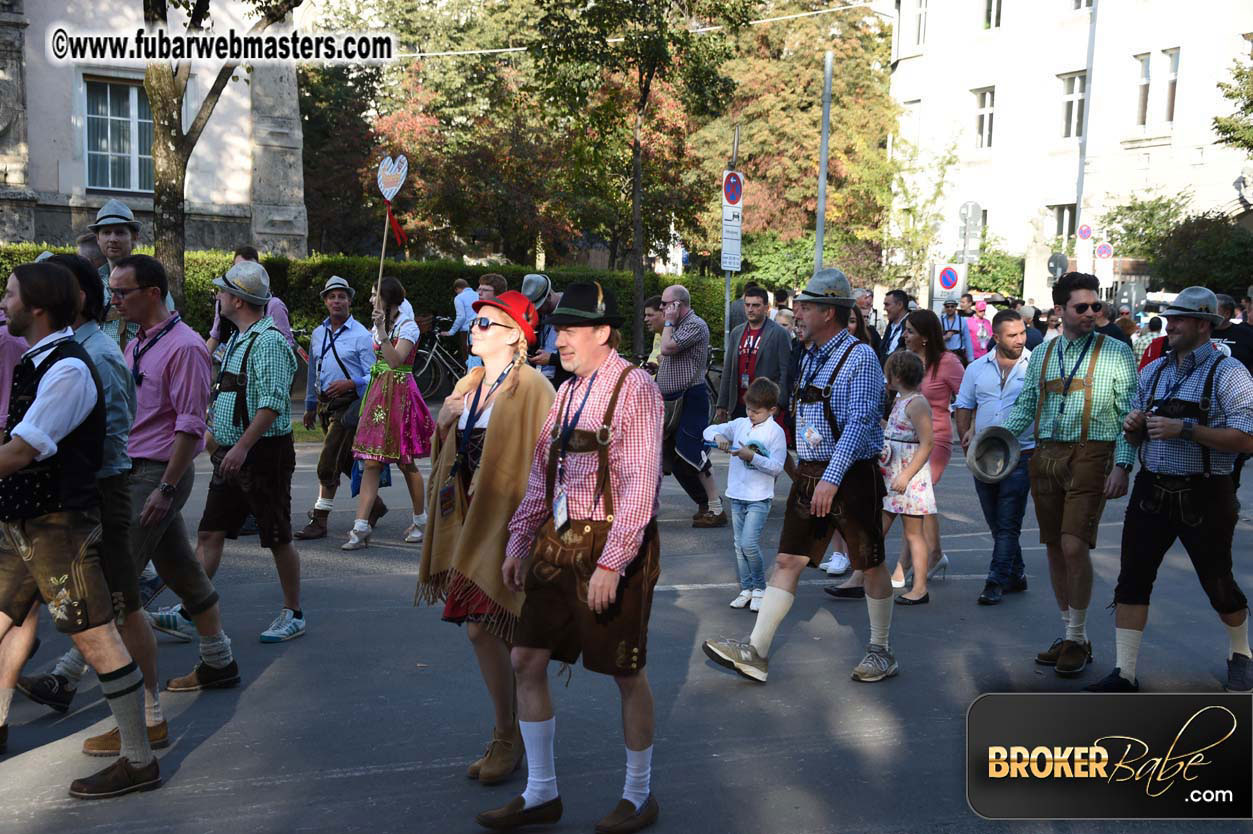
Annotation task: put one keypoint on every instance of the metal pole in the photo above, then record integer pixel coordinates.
(726, 301)
(822, 160)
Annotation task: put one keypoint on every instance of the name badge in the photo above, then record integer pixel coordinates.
(812, 437)
(744, 381)
(446, 498)
(561, 513)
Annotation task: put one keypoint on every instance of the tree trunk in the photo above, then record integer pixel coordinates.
(637, 235)
(169, 162)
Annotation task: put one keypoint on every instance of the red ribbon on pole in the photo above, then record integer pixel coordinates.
(397, 233)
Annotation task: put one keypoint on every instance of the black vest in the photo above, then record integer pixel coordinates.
(67, 480)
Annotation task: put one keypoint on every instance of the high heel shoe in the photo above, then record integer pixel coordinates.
(940, 567)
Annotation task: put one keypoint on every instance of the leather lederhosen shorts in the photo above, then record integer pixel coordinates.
(1068, 487)
(556, 617)
(56, 558)
(855, 512)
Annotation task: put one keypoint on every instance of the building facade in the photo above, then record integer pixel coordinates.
(1058, 110)
(73, 136)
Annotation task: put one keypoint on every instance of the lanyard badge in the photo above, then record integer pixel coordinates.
(561, 509)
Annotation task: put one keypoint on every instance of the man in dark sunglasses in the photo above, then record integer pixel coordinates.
(1077, 391)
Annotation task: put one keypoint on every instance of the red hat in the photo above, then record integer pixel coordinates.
(518, 307)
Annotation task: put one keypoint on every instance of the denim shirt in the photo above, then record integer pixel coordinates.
(119, 396)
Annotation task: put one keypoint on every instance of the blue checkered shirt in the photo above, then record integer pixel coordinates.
(1231, 407)
(856, 401)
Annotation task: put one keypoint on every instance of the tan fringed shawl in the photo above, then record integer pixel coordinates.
(460, 565)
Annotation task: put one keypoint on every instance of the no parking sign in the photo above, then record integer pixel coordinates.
(948, 282)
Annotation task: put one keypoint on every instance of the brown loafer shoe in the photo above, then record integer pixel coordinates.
(110, 743)
(118, 779)
(1048, 657)
(205, 676)
(625, 818)
(516, 815)
(709, 519)
(502, 758)
(316, 528)
(1072, 658)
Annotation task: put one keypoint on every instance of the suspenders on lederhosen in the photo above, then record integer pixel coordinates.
(1056, 386)
(1178, 409)
(238, 383)
(812, 393)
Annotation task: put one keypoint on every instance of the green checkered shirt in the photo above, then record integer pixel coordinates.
(271, 365)
(1114, 387)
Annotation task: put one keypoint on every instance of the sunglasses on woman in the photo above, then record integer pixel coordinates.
(1083, 308)
(484, 323)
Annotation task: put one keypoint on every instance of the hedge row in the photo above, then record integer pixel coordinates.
(428, 284)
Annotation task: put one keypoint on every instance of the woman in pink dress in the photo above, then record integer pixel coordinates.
(940, 384)
(395, 425)
(980, 327)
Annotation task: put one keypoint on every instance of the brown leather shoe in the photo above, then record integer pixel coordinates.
(625, 818)
(110, 743)
(1072, 658)
(503, 757)
(316, 528)
(377, 510)
(708, 519)
(205, 676)
(118, 779)
(516, 815)
(1048, 657)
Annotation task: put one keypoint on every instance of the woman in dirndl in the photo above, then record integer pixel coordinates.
(395, 425)
(483, 446)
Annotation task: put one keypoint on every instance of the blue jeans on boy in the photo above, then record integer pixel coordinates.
(747, 519)
(1003, 507)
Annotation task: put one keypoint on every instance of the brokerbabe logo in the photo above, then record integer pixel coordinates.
(1089, 756)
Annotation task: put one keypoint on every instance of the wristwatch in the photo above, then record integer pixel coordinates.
(166, 489)
(1126, 467)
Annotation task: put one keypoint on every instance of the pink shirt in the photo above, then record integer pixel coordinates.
(939, 389)
(980, 332)
(11, 350)
(174, 394)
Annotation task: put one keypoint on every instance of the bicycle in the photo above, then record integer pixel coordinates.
(435, 368)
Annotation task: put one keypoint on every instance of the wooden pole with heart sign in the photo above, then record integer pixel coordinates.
(391, 176)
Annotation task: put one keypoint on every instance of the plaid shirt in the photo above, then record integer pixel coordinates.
(680, 371)
(1113, 384)
(634, 464)
(271, 365)
(1231, 408)
(856, 401)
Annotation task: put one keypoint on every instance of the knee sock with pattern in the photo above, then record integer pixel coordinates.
(123, 689)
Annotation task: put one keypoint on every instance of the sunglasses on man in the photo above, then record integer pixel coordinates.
(1083, 308)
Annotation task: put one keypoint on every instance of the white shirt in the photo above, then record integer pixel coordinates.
(892, 336)
(756, 482)
(406, 309)
(64, 399)
(404, 328)
(981, 391)
(485, 416)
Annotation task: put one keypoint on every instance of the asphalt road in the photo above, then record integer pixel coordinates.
(367, 722)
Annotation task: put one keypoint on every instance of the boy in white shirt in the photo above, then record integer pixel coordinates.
(758, 451)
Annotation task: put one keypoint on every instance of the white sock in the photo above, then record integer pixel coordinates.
(1065, 619)
(327, 504)
(419, 521)
(880, 611)
(6, 698)
(1076, 625)
(541, 769)
(715, 505)
(774, 607)
(361, 525)
(152, 708)
(639, 773)
(1239, 637)
(1127, 651)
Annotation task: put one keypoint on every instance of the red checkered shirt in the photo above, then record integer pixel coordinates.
(634, 464)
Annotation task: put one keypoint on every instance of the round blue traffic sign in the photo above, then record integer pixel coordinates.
(733, 188)
(1085, 232)
(1104, 251)
(948, 278)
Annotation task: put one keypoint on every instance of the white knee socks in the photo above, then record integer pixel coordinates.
(774, 607)
(639, 771)
(1126, 651)
(1076, 626)
(1239, 637)
(880, 611)
(6, 698)
(541, 769)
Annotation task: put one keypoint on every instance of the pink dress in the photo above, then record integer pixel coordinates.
(395, 424)
(939, 388)
(900, 444)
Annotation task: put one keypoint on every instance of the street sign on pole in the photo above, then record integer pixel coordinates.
(823, 151)
(948, 282)
(1104, 266)
(1058, 263)
(732, 219)
(971, 228)
(1085, 243)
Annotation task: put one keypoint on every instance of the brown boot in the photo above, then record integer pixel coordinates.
(377, 510)
(502, 758)
(316, 528)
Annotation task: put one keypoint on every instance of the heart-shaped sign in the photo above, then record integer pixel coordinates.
(392, 173)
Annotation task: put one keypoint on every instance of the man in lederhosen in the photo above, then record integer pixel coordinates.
(1193, 414)
(583, 544)
(341, 352)
(838, 404)
(1078, 390)
(50, 512)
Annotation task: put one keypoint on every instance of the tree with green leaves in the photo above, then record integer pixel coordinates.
(581, 44)
(165, 84)
(1236, 130)
(997, 270)
(1209, 249)
(912, 232)
(1137, 227)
